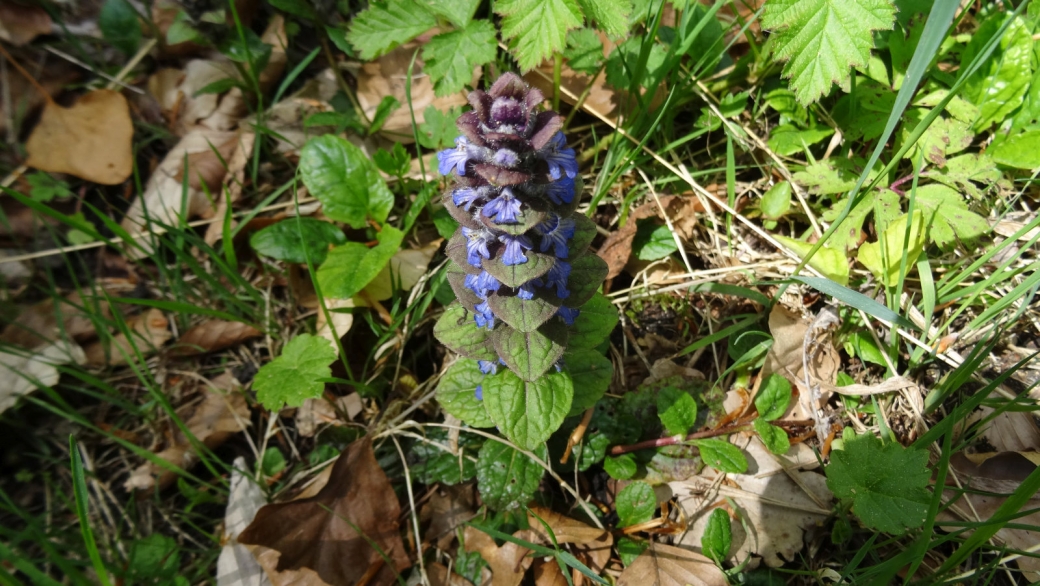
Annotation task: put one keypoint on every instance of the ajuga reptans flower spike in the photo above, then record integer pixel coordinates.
(520, 263)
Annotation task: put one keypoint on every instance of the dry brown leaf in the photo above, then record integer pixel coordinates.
(405, 269)
(448, 508)
(149, 331)
(788, 329)
(509, 562)
(222, 413)
(318, 533)
(548, 573)
(591, 543)
(21, 23)
(23, 371)
(776, 508)
(1011, 431)
(212, 335)
(317, 412)
(91, 139)
(665, 565)
(340, 324)
(234, 181)
(618, 246)
(439, 576)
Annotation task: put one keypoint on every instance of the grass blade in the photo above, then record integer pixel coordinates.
(80, 488)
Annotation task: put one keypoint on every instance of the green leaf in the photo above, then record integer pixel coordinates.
(251, 50)
(722, 456)
(181, 31)
(829, 261)
(451, 57)
(457, 330)
(822, 39)
(885, 482)
(584, 52)
(537, 28)
(338, 120)
(787, 139)
(597, 319)
(863, 347)
(587, 274)
(531, 354)
(630, 549)
(525, 315)
(862, 115)
(998, 87)
(677, 410)
(217, 87)
(964, 172)
(948, 217)
(591, 373)
(622, 62)
(456, 392)
(515, 275)
(506, 478)
(636, 504)
(347, 183)
(296, 375)
(298, 8)
(385, 25)
(621, 467)
(774, 438)
(610, 15)
(717, 538)
(828, 176)
(1028, 116)
(348, 268)
(773, 397)
(153, 560)
(438, 129)
(585, 231)
(945, 136)
(43, 187)
(777, 201)
(119, 25)
(528, 412)
(459, 12)
(386, 107)
(885, 205)
(395, 162)
(653, 241)
(885, 263)
(294, 239)
(273, 461)
(430, 464)
(857, 300)
(1020, 151)
(338, 36)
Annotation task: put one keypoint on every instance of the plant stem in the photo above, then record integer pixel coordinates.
(343, 85)
(678, 439)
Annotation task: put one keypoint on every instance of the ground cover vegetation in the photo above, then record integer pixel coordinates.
(519, 291)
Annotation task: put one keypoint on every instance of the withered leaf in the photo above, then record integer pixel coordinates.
(665, 565)
(591, 543)
(509, 562)
(330, 532)
(212, 335)
(618, 246)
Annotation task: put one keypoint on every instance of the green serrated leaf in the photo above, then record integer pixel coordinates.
(774, 438)
(528, 412)
(537, 28)
(438, 129)
(451, 57)
(884, 204)
(773, 397)
(393, 162)
(948, 218)
(998, 87)
(456, 392)
(348, 268)
(945, 136)
(885, 482)
(717, 538)
(584, 51)
(385, 25)
(297, 374)
(722, 456)
(506, 478)
(296, 239)
(964, 172)
(653, 241)
(636, 504)
(459, 12)
(591, 373)
(830, 262)
(119, 25)
(596, 320)
(587, 274)
(828, 176)
(621, 467)
(525, 315)
(787, 139)
(457, 330)
(885, 262)
(821, 40)
(531, 354)
(863, 114)
(430, 464)
(677, 410)
(515, 275)
(347, 183)
(610, 15)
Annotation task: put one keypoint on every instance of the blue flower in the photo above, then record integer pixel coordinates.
(559, 157)
(465, 197)
(557, 277)
(504, 208)
(487, 366)
(568, 315)
(515, 247)
(479, 392)
(561, 192)
(477, 245)
(505, 158)
(525, 291)
(555, 232)
(455, 158)
(481, 284)
(484, 317)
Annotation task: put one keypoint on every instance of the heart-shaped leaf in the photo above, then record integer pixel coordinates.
(507, 478)
(345, 180)
(597, 319)
(528, 412)
(591, 373)
(531, 354)
(587, 274)
(350, 267)
(525, 315)
(457, 330)
(456, 392)
(528, 218)
(296, 239)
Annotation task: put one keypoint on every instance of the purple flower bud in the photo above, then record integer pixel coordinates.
(506, 111)
(555, 233)
(465, 196)
(560, 192)
(505, 158)
(514, 250)
(477, 245)
(505, 208)
(557, 277)
(525, 292)
(568, 315)
(560, 158)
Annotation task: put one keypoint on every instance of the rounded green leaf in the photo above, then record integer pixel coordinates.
(722, 456)
(506, 478)
(677, 410)
(525, 315)
(457, 330)
(457, 393)
(652, 241)
(297, 374)
(777, 201)
(584, 232)
(829, 261)
(597, 319)
(591, 373)
(620, 467)
(528, 412)
(1021, 151)
(636, 504)
(530, 354)
(120, 26)
(347, 183)
(773, 397)
(774, 438)
(717, 536)
(587, 274)
(348, 268)
(296, 239)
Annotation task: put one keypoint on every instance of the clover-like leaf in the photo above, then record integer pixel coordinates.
(345, 181)
(297, 374)
(457, 330)
(528, 412)
(591, 373)
(507, 478)
(722, 456)
(531, 354)
(349, 268)
(597, 319)
(456, 392)
(525, 315)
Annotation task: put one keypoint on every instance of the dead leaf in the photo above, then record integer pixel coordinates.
(404, 270)
(236, 562)
(21, 23)
(785, 358)
(666, 565)
(591, 543)
(448, 508)
(318, 533)
(438, 574)
(664, 368)
(1011, 431)
(149, 331)
(317, 412)
(23, 370)
(775, 507)
(234, 181)
(894, 383)
(618, 246)
(548, 573)
(91, 139)
(212, 335)
(509, 562)
(340, 324)
(222, 413)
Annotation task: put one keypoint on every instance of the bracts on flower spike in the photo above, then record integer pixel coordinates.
(521, 268)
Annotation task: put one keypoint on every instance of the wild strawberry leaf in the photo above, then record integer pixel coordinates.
(948, 217)
(387, 24)
(450, 57)
(610, 15)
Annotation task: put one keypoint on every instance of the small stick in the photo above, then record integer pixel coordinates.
(577, 434)
(29, 78)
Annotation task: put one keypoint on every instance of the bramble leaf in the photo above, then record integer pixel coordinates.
(597, 319)
(506, 478)
(722, 456)
(821, 40)
(636, 504)
(345, 180)
(459, 12)
(773, 397)
(885, 482)
(348, 268)
(294, 239)
(537, 28)
(296, 375)
(677, 410)
(456, 392)
(584, 51)
(885, 263)
(528, 412)
(998, 87)
(450, 57)
(387, 24)
(591, 373)
(610, 15)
